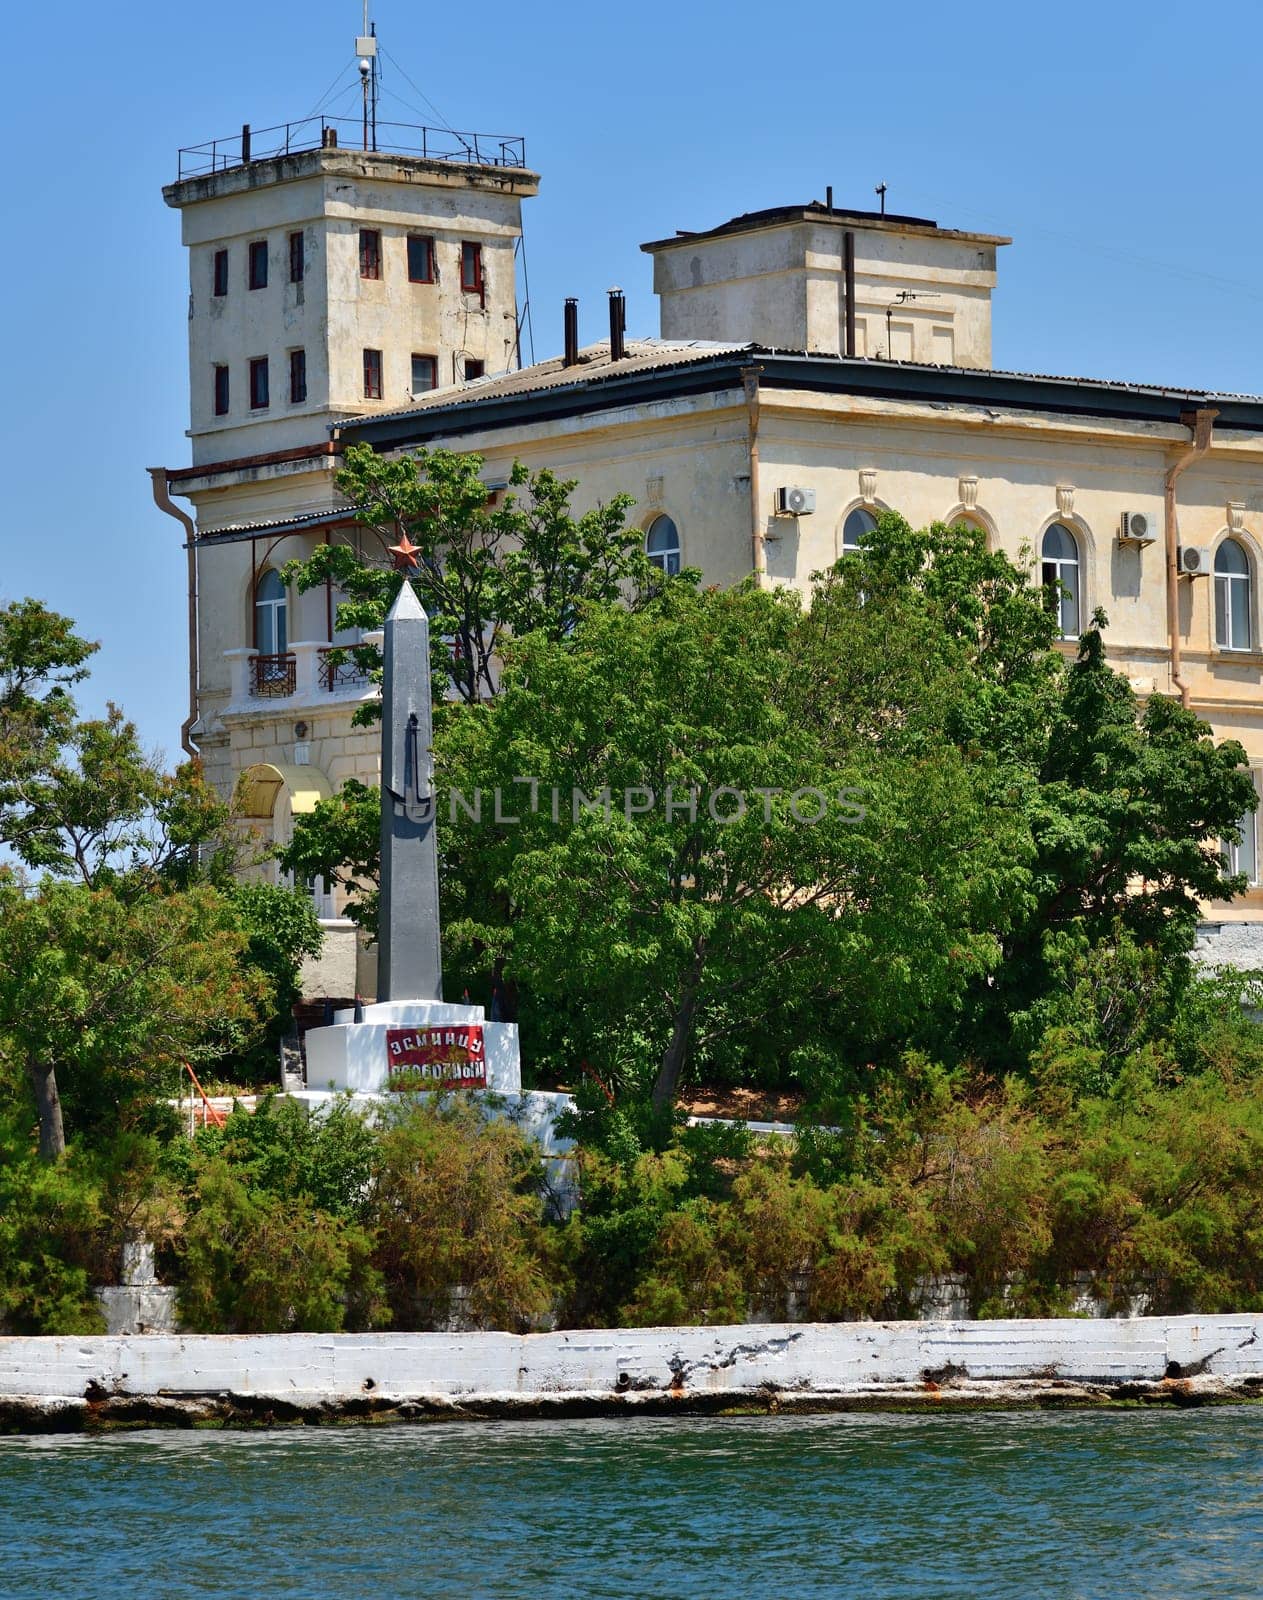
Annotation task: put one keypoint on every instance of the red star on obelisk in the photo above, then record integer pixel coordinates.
(405, 554)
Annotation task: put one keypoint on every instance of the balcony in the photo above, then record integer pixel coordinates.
(308, 675)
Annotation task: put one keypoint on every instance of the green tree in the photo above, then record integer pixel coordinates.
(488, 567)
(103, 996)
(135, 949)
(281, 928)
(41, 659)
(752, 857)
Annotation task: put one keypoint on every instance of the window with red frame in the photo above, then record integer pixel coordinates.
(421, 259)
(471, 267)
(220, 286)
(372, 374)
(259, 384)
(370, 253)
(221, 391)
(259, 264)
(296, 259)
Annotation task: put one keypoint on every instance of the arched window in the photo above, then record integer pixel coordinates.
(1060, 577)
(855, 530)
(1232, 597)
(271, 630)
(662, 545)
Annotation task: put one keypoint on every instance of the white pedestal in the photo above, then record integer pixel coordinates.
(356, 1055)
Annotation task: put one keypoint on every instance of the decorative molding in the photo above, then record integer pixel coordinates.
(967, 489)
(1236, 516)
(1065, 499)
(868, 485)
(653, 491)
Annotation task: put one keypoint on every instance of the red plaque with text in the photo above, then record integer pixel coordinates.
(448, 1055)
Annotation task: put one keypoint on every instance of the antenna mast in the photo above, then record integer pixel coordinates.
(366, 50)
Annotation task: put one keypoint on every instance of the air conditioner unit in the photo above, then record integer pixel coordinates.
(793, 502)
(1194, 560)
(1137, 527)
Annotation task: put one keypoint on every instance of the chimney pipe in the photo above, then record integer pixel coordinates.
(848, 274)
(618, 325)
(328, 138)
(571, 356)
(245, 144)
(828, 198)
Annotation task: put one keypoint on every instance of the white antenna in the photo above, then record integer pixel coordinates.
(366, 50)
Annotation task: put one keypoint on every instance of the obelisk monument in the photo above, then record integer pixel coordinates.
(409, 961)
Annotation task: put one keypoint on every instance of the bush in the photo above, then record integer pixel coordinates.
(456, 1202)
(282, 1148)
(62, 1224)
(256, 1262)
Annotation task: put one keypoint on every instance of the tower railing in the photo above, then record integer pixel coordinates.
(333, 133)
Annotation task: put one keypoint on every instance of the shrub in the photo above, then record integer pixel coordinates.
(257, 1262)
(325, 1157)
(456, 1202)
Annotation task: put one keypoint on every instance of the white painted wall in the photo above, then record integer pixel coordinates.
(816, 1358)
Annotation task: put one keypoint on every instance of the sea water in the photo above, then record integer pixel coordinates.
(1115, 1504)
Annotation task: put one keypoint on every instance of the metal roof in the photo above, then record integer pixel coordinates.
(235, 532)
(643, 355)
(658, 369)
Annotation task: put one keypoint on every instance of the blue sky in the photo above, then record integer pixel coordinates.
(1117, 143)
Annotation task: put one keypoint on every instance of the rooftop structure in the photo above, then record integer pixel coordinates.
(832, 282)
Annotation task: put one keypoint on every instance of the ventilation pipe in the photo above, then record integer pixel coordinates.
(1202, 423)
(571, 356)
(162, 499)
(848, 276)
(618, 325)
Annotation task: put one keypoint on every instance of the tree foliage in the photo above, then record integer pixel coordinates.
(130, 952)
(490, 566)
(1014, 807)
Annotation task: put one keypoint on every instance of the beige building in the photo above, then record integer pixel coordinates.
(815, 366)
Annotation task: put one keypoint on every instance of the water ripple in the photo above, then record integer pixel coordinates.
(1060, 1506)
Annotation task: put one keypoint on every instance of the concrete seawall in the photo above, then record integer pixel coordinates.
(67, 1384)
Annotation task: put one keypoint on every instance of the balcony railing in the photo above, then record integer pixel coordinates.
(340, 670)
(332, 133)
(307, 672)
(273, 677)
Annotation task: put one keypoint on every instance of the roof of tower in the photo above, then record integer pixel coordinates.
(814, 211)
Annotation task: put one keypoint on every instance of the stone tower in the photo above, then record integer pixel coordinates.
(332, 282)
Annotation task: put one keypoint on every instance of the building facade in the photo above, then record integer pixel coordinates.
(814, 367)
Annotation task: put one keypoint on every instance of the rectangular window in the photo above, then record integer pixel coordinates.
(221, 391)
(370, 253)
(420, 259)
(259, 384)
(474, 368)
(471, 267)
(424, 374)
(221, 273)
(296, 258)
(1243, 857)
(372, 374)
(259, 264)
(297, 377)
